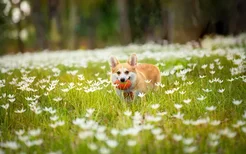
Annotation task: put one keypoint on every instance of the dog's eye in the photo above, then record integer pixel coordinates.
(118, 72)
(126, 72)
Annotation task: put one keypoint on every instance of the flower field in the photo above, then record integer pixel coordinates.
(63, 102)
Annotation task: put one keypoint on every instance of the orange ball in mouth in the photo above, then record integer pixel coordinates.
(123, 85)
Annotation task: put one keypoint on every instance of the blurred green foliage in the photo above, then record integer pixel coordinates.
(4, 26)
(75, 24)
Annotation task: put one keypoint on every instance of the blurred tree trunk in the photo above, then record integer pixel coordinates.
(170, 25)
(39, 24)
(20, 42)
(186, 25)
(164, 29)
(18, 25)
(241, 13)
(91, 33)
(72, 24)
(218, 17)
(56, 25)
(238, 16)
(125, 31)
(167, 24)
(19, 28)
(167, 16)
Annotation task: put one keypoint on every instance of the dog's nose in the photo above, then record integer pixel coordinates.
(122, 80)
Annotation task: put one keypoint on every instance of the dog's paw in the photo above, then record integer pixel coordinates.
(128, 96)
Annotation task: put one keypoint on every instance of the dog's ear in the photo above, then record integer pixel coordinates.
(113, 61)
(133, 60)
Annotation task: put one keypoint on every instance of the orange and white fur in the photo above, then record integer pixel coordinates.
(142, 76)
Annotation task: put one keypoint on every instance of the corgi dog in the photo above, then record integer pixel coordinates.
(142, 77)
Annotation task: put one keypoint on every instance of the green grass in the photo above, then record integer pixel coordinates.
(109, 110)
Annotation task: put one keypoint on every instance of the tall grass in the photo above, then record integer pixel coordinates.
(208, 121)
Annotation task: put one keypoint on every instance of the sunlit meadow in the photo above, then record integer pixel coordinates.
(63, 102)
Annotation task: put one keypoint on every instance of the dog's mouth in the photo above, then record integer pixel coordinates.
(129, 78)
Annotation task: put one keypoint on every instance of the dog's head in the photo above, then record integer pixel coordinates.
(123, 71)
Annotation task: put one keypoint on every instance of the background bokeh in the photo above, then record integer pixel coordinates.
(34, 25)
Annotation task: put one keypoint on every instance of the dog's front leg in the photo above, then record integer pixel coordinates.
(128, 96)
(119, 93)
